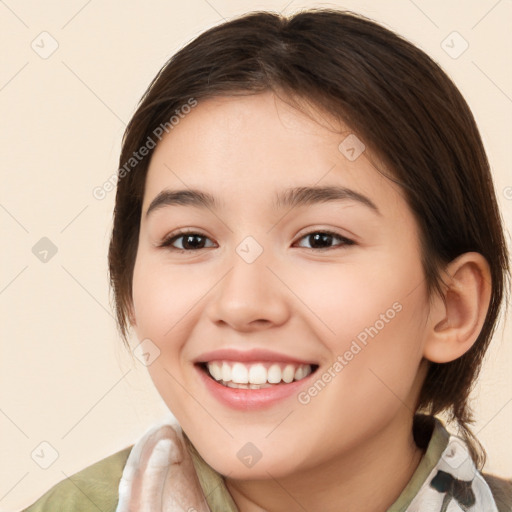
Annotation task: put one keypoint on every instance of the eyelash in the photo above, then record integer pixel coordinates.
(168, 241)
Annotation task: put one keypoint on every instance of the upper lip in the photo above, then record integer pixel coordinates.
(254, 355)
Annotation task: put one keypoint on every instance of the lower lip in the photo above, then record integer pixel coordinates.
(251, 399)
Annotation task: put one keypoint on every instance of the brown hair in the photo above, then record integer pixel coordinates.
(394, 97)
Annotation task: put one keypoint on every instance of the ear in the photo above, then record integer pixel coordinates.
(455, 323)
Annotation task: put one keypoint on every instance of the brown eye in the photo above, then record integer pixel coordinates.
(191, 241)
(321, 240)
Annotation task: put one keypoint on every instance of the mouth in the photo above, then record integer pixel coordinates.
(255, 375)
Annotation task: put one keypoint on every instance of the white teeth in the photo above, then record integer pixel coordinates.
(245, 386)
(302, 371)
(256, 375)
(215, 370)
(274, 374)
(289, 373)
(240, 374)
(226, 372)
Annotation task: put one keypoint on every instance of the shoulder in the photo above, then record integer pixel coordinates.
(501, 490)
(93, 488)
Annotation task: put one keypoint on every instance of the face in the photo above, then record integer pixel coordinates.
(309, 314)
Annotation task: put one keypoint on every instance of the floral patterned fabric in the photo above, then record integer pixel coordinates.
(454, 485)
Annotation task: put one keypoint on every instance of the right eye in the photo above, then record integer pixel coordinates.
(189, 243)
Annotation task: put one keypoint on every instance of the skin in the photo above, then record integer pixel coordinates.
(335, 452)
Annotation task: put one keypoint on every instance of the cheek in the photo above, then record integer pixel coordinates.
(378, 370)
(363, 300)
(388, 325)
(163, 306)
(164, 300)
(378, 331)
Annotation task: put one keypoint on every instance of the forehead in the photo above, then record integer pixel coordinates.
(249, 148)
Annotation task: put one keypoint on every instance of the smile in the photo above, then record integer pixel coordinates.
(259, 375)
(258, 391)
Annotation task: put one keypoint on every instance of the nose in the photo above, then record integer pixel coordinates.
(250, 296)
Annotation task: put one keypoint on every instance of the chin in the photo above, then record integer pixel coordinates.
(247, 462)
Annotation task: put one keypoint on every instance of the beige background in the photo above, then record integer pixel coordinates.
(66, 379)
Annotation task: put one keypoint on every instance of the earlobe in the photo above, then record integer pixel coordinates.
(455, 323)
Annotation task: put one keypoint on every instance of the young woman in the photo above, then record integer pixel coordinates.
(307, 244)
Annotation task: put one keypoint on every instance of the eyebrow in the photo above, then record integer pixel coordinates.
(289, 198)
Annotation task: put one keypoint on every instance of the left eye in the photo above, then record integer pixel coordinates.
(190, 241)
(324, 237)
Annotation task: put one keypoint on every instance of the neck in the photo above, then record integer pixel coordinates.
(370, 478)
